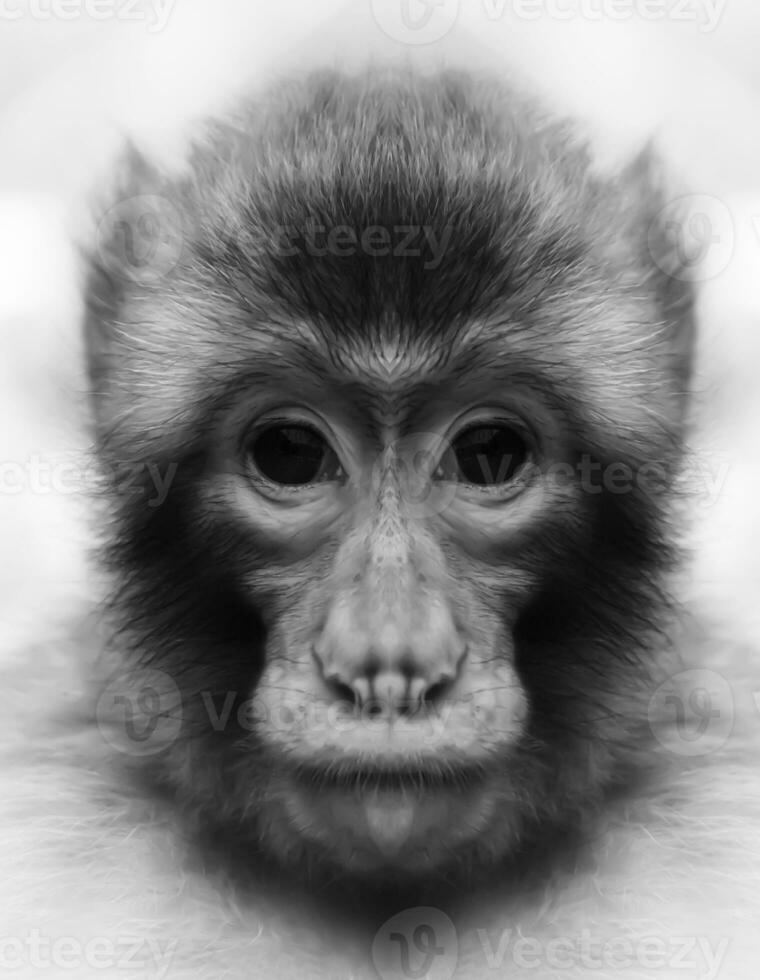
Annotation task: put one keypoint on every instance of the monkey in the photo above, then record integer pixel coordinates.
(391, 426)
(407, 615)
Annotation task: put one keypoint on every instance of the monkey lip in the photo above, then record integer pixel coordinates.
(410, 776)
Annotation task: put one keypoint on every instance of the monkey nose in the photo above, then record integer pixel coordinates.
(387, 676)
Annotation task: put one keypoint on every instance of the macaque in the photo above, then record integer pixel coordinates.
(421, 380)
(391, 393)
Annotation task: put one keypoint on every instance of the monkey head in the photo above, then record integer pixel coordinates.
(415, 376)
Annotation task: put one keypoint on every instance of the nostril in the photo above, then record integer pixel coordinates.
(436, 692)
(340, 690)
(343, 692)
(404, 689)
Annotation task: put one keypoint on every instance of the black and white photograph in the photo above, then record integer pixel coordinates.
(380, 489)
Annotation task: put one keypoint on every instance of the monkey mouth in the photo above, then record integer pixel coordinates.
(410, 776)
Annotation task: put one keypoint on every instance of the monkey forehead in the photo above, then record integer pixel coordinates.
(386, 227)
(393, 204)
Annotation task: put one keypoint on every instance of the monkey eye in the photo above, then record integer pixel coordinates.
(488, 455)
(293, 455)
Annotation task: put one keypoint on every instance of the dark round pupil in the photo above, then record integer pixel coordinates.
(292, 455)
(489, 455)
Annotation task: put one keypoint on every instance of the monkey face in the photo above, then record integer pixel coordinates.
(409, 363)
(388, 697)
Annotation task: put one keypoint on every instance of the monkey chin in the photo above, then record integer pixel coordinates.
(392, 831)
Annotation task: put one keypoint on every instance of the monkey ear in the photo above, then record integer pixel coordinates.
(657, 217)
(136, 238)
